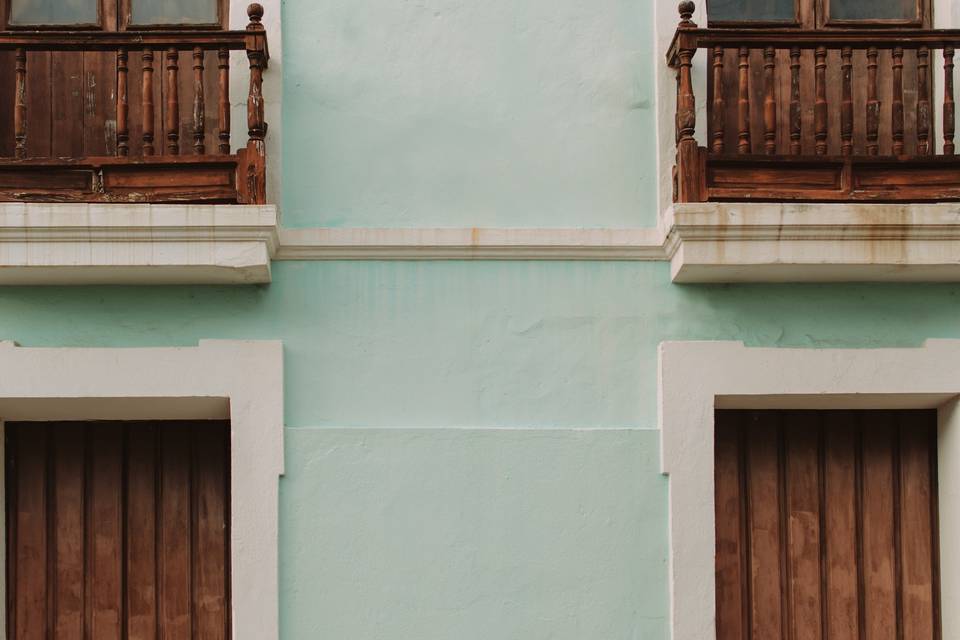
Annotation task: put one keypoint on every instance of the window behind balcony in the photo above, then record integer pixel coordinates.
(111, 15)
(811, 14)
(173, 12)
(54, 12)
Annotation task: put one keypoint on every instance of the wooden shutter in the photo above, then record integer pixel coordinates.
(118, 530)
(827, 525)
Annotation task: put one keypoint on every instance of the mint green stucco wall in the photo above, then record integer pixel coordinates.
(466, 112)
(471, 447)
(483, 344)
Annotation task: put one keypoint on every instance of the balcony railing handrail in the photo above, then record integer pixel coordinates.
(112, 40)
(787, 38)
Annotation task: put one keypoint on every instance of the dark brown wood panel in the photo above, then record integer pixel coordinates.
(917, 463)
(832, 178)
(803, 512)
(27, 542)
(733, 594)
(880, 516)
(104, 532)
(174, 544)
(118, 530)
(210, 515)
(68, 512)
(826, 525)
(841, 526)
(765, 528)
(141, 592)
(209, 179)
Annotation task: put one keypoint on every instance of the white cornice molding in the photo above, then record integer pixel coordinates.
(136, 244)
(471, 244)
(221, 244)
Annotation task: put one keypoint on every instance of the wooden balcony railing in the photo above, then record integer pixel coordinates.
(162, 148)
(820, 116)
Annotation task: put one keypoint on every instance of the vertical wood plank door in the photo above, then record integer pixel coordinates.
(827, 525)
(118, 531)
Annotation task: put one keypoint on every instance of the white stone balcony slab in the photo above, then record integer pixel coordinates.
(757, 242)
(61, 244)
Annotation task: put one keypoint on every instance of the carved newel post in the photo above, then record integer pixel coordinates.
(254, 156)
(688, 154)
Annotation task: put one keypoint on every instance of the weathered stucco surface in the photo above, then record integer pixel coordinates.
(440, 534)
(466, 113)
(488, 344)
(483, 522)
(471, 446)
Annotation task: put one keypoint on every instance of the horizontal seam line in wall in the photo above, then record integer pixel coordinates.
(456, 428)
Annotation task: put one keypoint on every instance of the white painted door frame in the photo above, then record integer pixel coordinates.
(697, 378)
(239, 381)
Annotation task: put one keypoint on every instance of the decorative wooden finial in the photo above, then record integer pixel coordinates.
(255, 12)
(687, 7)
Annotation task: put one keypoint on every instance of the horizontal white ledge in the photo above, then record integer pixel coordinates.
(815, 242)
(59, 244)
(471, 244)
(218, 244)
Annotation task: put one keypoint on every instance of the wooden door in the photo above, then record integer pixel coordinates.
(817, 15)
(827, 525)
(118, 530)
(71, 96)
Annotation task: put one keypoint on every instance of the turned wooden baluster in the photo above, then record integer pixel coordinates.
(718, 121)
(949, 106)
(173, 101)
(796, 109)
(897, 111)
(147, 108)
(873, 104)
(686, 100)
(769, 101)
(20, 104)
(224, 99)
(199, 106)
(123, 106)
(923, 101)
(687, 180)
(846, 102)
(743, 102)
(820, 105)
(255, 153)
